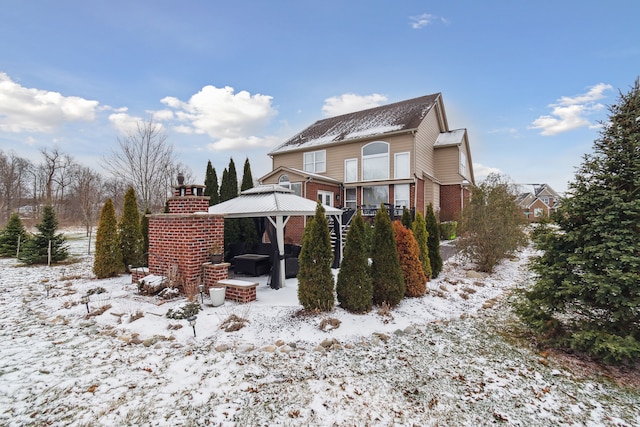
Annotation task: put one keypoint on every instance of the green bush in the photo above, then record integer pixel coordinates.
(12, 233)
(108, 258)
(315, 279)
(36, 249)
(421, 235)
(448, 230)
(354, 288)
(386, 274)
(433, 241)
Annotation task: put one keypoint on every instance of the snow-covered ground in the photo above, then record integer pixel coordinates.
(443, 359)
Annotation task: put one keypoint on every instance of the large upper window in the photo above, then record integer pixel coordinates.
(315, 161)
(402, 167)
(375, 161)
(351, 170)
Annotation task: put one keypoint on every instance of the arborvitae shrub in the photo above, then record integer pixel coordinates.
(354, 287)
(415, 281)
(108, 258)
(36, 249)
(433, 242)
(422, 236)
(406, 218)
(12, 233)
(144, 229)
(211, 187)
(131, 240)
(315, 279)
(386, 274)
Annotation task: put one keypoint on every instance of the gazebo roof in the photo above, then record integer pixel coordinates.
(268, 200)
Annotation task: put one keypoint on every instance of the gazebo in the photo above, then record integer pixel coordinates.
(276, 204)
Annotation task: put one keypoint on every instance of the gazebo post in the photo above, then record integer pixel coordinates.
(280, 237)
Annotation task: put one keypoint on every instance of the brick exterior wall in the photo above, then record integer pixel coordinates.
(419, 192)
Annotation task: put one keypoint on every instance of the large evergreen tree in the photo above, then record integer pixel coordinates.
(422, 238)
(211, 187)
(587, 291)
(315, 279)
(354, 287)
(36, 249)
(129, 233)
(433, 242)
(12, 235)
(386, 274)
(108, 258)
(415, 281)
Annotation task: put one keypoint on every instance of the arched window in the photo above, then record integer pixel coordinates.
(284, 181)
(375, 161)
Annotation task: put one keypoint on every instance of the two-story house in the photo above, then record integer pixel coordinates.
(539, 203)
(402, 155)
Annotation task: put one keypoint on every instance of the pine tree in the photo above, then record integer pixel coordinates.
(36, 249)
(587, 291)
(386, 274)
(422, 238)
(415, 281)
(354, 287)
(108, 258)
(315, 279)
(211, 188)
(129, 233)
(433, 242)
(144, 229)
(13, 234)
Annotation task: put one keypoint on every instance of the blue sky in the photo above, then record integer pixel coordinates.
(529, 80)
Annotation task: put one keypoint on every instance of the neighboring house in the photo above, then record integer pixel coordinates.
(401, 155)
(539, 203)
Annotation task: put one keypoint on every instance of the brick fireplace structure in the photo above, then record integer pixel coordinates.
(180, 241)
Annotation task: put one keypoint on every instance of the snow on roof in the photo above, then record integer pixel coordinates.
(405, 115)
(454, 137)
(268, 200)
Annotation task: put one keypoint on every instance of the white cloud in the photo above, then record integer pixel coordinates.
(570, 113)
(35, 110)
(245, 142)
(350, 102)
(225, 116)
(480, 172)
(420, 21)
(124, 123)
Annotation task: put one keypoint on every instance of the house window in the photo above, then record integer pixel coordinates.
(401, 195)
(325, 197)
(375, 195)
(350, 198)
(351, 170)
(538, 212)
(375, 161)
(402, 167)
(283, 181)
(463, 163)
(315, 161)
(545, 200)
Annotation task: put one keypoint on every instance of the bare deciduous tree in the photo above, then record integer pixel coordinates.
(13, 174)
(145, 160)
(87, 191)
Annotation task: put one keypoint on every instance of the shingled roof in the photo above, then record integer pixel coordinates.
(399, 116)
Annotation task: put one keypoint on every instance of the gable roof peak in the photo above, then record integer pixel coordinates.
(396, 117)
